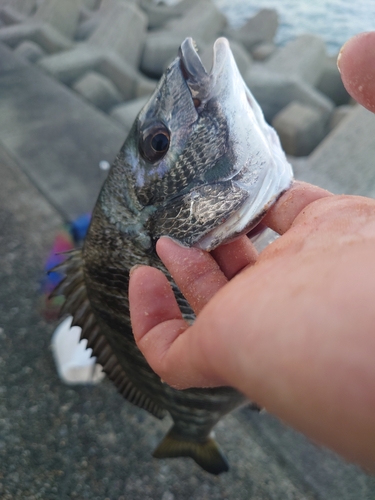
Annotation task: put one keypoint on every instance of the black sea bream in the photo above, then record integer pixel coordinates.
(202, 166)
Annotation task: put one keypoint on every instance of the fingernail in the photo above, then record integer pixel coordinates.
(339, 57)
(338, 62)
(340, 54)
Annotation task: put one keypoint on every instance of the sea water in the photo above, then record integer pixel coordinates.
(334, 20)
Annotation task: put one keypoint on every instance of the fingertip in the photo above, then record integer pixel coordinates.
(282, 214)
(170, 250)
(233, 257)
(356, 65)
(151, 300)
(157, 347)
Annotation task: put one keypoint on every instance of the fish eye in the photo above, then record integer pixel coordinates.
(154, 142)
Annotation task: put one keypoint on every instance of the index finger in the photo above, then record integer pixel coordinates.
(282, 214)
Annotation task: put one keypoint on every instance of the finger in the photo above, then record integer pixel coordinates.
(235, 256)
(282, 214)
(161, 333)
(151, 299)
(195, 272)
(357, 68)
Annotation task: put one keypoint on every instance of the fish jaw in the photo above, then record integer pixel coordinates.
(260, 166)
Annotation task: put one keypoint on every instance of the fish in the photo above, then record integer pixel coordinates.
(200, 165)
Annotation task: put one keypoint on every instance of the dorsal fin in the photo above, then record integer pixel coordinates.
(78, 305)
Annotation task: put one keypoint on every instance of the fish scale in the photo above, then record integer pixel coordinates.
(216, 169)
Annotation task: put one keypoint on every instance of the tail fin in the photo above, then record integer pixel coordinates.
(207, 454)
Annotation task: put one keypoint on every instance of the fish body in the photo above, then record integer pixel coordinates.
(200, 165)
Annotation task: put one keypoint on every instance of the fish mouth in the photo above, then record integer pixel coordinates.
(201, 83)
(259, 167)
(195, 74)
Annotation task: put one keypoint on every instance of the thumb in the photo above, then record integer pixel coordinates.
(356, 63)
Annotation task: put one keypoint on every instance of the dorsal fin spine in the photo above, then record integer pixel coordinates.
(77, 305)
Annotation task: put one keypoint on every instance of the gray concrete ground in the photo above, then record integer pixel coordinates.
(61, 442)
(57, 138)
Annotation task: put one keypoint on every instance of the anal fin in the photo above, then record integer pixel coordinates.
(206, 454)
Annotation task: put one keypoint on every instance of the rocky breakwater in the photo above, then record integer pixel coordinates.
(112, 52)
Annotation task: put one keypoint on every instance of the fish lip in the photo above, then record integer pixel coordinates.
(221, 54)
(201, 83)
(193, 71)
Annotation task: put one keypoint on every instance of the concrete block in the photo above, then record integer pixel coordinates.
(339, 114)
(258, 29)
(91, 4)
(300, 128)
(263, 51)
(159, 50)
(330, 83)
(203, 22)
(274, 91)
(30, 51)
(25, 7)
(90, 21)
(98, 90)
(344, 161)
(85, 14)
(9, 61)
(53, 23)
(57, 136)
(121, 29)
(14, 35)
(9, 16)
(144, 86)
(42, 34)
(86, 28)
(304, 58)
(63, 16)
(159, 14)
(241, 56)
(126, 113)
(71, 65)
(128, 80)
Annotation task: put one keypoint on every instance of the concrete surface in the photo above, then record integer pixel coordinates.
(98, 90)
(260, 28)
(304, 58)
(55, 135)
(300, 128)
(344, 161)
(274, 91)
(203, 22)
(59, 442)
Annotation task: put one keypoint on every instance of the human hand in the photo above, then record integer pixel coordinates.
(356, 65)
(295, 330)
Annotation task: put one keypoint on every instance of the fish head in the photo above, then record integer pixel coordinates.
(204, 164)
